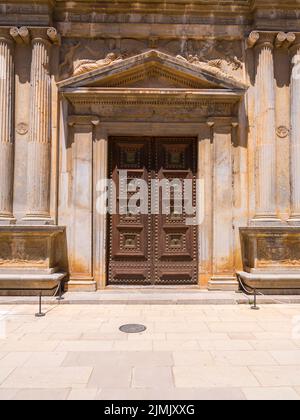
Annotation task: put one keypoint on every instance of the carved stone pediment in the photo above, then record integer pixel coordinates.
(152, 69)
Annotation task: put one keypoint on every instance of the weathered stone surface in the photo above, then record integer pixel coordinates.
(31, 258)
(74, 74)
(6, 124)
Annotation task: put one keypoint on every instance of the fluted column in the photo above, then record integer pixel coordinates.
(6, 125)
(39, 146)
(266, 206)
(295, 131)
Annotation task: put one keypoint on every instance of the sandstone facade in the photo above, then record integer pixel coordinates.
(75, 74)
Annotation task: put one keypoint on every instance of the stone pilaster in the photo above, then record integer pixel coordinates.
(39, 146)
(6, 125)
(205, 174)
(80, 230)
(100, 218)
(223, 233)
(295, 131)
(266, 206)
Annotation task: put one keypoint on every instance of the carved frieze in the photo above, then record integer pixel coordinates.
(84, 66)
(82, 56)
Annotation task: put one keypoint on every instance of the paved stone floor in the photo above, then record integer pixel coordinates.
(187, 352)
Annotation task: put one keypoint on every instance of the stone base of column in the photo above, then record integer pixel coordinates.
(223, 283)
(37, 221)
(7, 221)
(261, 221)
(294, 220)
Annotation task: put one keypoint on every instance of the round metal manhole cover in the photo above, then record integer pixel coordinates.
(133, 328)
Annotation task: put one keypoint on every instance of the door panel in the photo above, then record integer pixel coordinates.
(130, 256)
(153, 249)
(175, 257)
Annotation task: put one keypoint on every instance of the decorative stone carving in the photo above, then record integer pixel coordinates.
(224, 55)
(31, 259)
(66, 67)
(32, 247)
(75, 53)
(214, 66)
(22, 128)
(266, 249)
(282, 132)
(85, 66)
(6, 124)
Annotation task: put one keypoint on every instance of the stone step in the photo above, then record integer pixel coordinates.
(154, 297)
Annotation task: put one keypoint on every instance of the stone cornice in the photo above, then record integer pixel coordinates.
(156, 6)
(176, 6)
(173, 98)
(228, 8)
(212, 78)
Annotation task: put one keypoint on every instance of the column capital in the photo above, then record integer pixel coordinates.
(49, 35)
(281, 40)
(295, 42)
(27, 34)
(7, 34)
(262, 39)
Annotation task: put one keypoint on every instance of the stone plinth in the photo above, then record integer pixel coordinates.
(31, 259)
(271, 258)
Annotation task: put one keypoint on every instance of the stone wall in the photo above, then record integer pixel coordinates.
(250, 48)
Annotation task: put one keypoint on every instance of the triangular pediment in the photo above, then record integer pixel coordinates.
(152, 69)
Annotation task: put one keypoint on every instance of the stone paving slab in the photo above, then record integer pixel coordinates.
(210, 356)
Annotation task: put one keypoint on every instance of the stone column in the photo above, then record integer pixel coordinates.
(265, 121)
(205, 173)
(39, 147)
(100, 219)
(6, 126)
(295, 131)
(80, 229)
(223, 232)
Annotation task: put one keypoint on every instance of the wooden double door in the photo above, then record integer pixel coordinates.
(158, 246)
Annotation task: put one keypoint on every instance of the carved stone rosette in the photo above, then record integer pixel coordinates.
(39, 146)
(6, 124)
